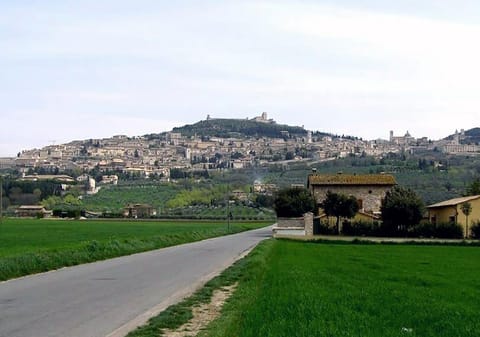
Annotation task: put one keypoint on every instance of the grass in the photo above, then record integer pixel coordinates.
(291, 288)
(311, 289)
(30, 245)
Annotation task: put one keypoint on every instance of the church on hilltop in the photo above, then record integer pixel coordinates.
(263, 118)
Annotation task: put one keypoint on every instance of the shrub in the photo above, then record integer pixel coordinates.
(476, 230)
(441, 230)
(448, 231)
(424, 230)
(322, 228)
(361, 228)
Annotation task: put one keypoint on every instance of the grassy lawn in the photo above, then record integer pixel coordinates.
(28, 246)
(308, 289)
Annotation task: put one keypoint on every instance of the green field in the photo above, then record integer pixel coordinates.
(308, 289)
(28, 246)
(114, 198)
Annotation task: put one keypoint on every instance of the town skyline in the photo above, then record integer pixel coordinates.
(13, 152)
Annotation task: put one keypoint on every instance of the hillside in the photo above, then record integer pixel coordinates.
(472, 136)
(238, 127)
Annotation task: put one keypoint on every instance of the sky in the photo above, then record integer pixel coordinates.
(86, 69)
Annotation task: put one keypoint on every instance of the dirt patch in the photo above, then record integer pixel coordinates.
(203, 314)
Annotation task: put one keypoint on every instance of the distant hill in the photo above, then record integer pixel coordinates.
(239, 127)
(472, 136)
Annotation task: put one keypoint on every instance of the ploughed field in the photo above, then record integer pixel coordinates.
(328, 289)
(35, 245)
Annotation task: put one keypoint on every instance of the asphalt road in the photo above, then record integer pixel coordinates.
(110, 297)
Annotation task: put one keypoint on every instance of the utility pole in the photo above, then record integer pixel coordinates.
(228, 209)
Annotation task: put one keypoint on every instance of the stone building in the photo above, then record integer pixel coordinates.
(368, 189)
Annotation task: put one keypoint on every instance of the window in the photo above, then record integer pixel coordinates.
(451, 219)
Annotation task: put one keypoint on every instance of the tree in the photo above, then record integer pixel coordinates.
(466, 210)
(340, 205)
(293, 202)
(263, 200)
(289, 155)
(176, 173)
(474, 187)
(401, 209)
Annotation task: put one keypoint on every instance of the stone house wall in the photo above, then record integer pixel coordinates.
(370, 195)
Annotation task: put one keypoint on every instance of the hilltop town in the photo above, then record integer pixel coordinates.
(159, 154)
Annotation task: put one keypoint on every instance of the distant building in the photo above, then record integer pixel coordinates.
(174, 137)
(402, 140)
(450, 211)
(309, 137)
(32, 211)
(109, 179)
(263, 119)
(42, 177)
(7, 163)
(261, 188)
(139, 211)
(239, 195)
(460, 148)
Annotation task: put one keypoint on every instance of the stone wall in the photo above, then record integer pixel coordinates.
(290, 222)
(294, 226)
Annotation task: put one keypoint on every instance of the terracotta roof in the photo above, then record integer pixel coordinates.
(454, 202)
(351, 179)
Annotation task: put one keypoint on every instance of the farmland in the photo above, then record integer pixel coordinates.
(28, 246)
(356, 290)
(330, 289)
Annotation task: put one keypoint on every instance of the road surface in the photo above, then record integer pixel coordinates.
(110, 297)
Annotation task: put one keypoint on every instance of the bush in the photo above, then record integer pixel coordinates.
(361, 228)
(424, 230)
(322, 228)
(441, 230)
(476, 230)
